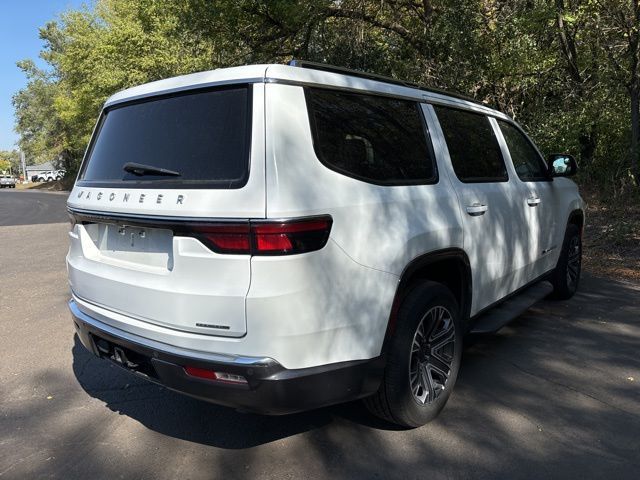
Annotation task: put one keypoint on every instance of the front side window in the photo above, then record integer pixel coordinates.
(526, 160)
(202, 136)
(473, 147)
(375, 139)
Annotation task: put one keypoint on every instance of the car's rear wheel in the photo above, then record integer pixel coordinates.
(423, 358)
(566, 276)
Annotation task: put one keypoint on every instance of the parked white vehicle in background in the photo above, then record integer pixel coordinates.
(278, 238)
(7, 181)
(49, 176)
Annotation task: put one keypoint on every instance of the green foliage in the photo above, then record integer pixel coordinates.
(9, 160)
(563, 68)
(5, 165)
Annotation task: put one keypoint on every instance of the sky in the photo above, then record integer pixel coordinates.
(19, 24)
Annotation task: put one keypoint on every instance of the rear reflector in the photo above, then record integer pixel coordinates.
(286, 237)
(216, 376)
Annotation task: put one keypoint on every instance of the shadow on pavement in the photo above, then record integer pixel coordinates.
(550, 389)
(187, 418)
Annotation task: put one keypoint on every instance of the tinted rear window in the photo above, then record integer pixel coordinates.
(473, 147)
(375, 139)
(204, 135)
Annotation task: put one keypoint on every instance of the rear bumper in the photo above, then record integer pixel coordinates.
(270, 388)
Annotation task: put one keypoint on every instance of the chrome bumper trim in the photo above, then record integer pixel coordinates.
(80, 316)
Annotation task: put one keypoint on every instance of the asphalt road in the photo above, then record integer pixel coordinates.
(554, 395)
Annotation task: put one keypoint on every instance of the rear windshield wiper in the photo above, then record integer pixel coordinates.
(141, 169)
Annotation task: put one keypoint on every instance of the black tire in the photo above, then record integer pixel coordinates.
(566, 276)
(401, 399)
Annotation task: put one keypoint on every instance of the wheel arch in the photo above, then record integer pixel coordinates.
(576, 217)
(449, 267)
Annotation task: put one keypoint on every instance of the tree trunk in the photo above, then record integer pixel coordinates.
(634, 89)
(635, 132)
(567, 42)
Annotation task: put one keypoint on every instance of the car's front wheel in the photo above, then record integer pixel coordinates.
(566, 276)
(423, 358)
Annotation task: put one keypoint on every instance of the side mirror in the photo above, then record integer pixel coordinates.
(562, 165)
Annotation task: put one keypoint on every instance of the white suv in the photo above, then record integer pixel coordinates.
(278, 238)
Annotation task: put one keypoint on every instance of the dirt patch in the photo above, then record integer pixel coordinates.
(612, 237)
(55, 186)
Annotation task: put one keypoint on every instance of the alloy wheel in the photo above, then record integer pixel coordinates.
(432, 353)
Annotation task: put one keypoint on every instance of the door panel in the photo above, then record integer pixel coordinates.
(536, 193)
(493, 220)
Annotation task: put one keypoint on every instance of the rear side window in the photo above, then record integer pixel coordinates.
(376, 139)
(526, 160)
(203, 135)
(472, 144)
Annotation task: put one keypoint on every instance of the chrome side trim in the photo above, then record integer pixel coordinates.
(80, 316)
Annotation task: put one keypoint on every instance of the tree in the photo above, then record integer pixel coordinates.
(5, 165)
(619, 33)
(566, 69)
(9, 160)
(41, 132)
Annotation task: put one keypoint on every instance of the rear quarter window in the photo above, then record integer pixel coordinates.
(204, 135)
(371, 138)
(527, 162)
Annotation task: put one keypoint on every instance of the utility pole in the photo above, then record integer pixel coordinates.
(24, 167)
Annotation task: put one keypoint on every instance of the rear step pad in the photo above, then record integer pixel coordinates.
(497, 317)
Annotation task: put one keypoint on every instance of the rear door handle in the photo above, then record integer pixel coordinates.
(533, 201)
(476, 209)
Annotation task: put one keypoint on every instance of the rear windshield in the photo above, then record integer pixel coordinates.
(203, 136)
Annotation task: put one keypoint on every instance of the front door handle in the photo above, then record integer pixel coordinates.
(476, 209)
(533, 201)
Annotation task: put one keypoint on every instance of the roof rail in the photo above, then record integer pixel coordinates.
(380, 78)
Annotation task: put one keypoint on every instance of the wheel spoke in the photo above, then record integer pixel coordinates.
(432, 318)
(427, 382)
(442, 340)
(443, 368)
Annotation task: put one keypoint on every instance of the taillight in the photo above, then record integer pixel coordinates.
(262, 237)
(225, 238)
(242, 237)
(288, 237)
